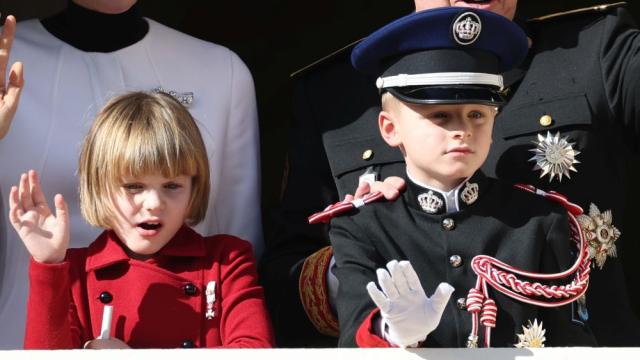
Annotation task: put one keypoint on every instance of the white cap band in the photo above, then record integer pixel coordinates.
(444, 78)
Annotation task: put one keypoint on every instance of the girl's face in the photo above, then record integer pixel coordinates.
(149, 211)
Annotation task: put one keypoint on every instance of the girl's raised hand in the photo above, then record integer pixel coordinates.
(45, 235)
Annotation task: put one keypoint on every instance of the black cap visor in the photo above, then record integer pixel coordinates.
(450, 94)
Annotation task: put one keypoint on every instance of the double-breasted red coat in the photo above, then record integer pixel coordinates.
(157, 303)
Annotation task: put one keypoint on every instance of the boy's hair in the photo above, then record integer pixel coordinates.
(138, 134)
(387, 101)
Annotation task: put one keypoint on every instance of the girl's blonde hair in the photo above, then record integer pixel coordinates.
(138, 134)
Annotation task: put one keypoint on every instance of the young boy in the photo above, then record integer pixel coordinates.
(440, 88)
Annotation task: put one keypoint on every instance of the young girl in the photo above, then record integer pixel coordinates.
(144, 177)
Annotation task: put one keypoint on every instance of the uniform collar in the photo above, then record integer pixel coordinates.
(108, 249)
(436, 202)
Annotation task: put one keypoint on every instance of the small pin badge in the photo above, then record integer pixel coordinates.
(210, 294)
(555, 156)
(185, 98)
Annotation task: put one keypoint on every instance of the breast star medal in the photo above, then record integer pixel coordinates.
(600, 233)
(555, 156)
(532, 335)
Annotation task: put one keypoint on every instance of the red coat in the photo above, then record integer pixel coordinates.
(157, 303)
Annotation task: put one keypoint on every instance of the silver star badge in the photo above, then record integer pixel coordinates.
(555, 156)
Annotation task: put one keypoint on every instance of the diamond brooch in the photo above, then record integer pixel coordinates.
(184, 98)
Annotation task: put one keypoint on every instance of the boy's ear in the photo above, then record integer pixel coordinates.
(388, 128)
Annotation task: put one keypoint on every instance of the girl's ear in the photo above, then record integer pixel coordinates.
(388, 128)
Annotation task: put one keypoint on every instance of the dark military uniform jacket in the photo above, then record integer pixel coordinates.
(517, 227)
(582, 72)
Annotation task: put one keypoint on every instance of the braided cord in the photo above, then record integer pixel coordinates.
(503, 278)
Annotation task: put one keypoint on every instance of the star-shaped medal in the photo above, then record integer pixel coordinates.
(532, 335)
(555, 156)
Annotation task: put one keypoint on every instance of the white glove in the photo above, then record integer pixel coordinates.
(404, 306)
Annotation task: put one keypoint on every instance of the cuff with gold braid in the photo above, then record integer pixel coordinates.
(314, 293)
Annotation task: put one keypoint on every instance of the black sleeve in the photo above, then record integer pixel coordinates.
(564, 328)
(620, 60)
(308, 188)
(356, 264)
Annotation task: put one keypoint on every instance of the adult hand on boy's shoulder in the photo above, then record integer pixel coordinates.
(9, 92)
(389, 187)
(405, 308)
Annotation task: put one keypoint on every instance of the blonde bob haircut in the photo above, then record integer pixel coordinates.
(139, 134)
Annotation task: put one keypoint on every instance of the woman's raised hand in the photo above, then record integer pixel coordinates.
(9, 91)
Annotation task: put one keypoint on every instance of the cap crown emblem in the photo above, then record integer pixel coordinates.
(466, 28)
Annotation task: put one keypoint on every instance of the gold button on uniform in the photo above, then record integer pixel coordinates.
(367, 154)
(546, 120)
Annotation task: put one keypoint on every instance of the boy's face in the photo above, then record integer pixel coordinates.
(149, 211)
(442, 144)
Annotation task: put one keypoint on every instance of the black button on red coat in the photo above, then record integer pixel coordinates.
(187, 344)
(190, 289)
(105, 297)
